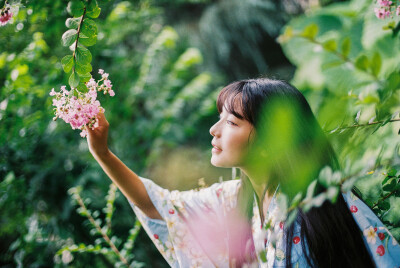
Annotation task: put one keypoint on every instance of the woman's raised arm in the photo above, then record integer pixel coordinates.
(127, 181)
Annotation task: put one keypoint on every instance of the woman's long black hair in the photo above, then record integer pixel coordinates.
(332, 235)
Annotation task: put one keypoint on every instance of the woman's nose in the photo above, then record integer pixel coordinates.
(213, 130)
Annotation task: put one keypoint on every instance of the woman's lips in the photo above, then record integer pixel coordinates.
(216, 148)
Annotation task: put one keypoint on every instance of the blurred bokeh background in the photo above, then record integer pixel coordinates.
(167, 61)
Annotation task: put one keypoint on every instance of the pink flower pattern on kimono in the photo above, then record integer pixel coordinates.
(178, 243)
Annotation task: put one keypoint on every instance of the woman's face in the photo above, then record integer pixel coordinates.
(231, 140)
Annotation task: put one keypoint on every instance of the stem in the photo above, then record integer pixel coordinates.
(105, 236)
(385, 197)
(77, 37)
(363, 125)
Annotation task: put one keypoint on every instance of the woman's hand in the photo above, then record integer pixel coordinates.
(97, 138)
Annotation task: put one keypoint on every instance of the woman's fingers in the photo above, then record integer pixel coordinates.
(102, 119)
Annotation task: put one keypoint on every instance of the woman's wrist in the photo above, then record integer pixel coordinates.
(101, 154)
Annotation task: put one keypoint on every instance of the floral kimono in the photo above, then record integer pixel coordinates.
(180, 236)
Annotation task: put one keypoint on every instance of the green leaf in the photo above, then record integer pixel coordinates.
(385, 180)
(390, 186)
(75, 8)
(87, 41)
(72, 23)
(83, 68)
(85, 77)
(89, 28)
(376, 64)
(369, 202)
(362, 62)
(397, 187)
(93, 10)
(376, 128)
(397, 193)
(310, 31)
(83, 55)
(331, 64)
(69, 37)
(82, 87)
(346, 46)
(385, 205)
(73, 80)
(94, 14)
(67, 63)
(330, 45)
(392, 172)
(387, 120)
(391, 25)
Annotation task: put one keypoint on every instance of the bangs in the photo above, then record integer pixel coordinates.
(231, 97)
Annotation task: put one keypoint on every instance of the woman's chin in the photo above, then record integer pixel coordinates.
(219, 163)
(215, 162)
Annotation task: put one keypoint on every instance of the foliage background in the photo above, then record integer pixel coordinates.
(167, 61)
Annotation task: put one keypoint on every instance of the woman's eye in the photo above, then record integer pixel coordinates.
(231, 123)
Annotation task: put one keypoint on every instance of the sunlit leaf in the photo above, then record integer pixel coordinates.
(83, 68)
(362, 63)
(89, 28)
(83, 55)
(93, 10)
(376, 63)
(67, 63)
(72, 23)
(69, 37)
(310, 31)
(75, 8)
(73, 80)
(87, 41)
(330, 45)
(346, 43)
(85, 77)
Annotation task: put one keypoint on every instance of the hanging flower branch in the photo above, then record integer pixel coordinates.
(79, 106)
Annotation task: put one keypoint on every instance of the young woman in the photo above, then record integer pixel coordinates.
(268, 131)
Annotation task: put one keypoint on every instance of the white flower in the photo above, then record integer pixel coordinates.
(370, 234)
(170, 252)
(171, 222)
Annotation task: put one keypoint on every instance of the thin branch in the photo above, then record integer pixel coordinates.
(385, 197)
(77, 36)
(382, 199)
(361, 125)
(104, 235)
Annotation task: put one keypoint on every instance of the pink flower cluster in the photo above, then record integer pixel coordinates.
(81, 109)
(386, 8)
(5, 16)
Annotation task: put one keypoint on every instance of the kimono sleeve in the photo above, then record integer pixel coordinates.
(382, 246)
(173, 236)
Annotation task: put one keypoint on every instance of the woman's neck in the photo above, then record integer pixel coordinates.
(263, 190)
(258, 183)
